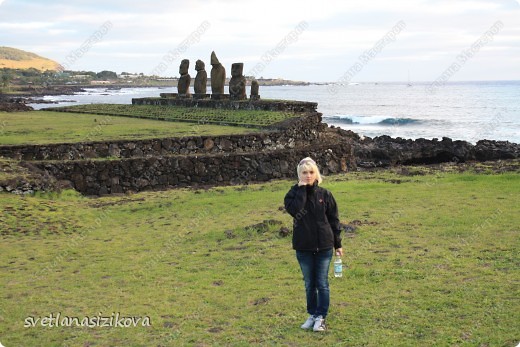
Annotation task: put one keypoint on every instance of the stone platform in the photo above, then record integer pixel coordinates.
(172, 99)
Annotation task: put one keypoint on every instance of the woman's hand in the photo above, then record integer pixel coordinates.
(339, 252)
(302, 183)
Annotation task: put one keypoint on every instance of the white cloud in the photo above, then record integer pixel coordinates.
(243, 30)
(26, 26)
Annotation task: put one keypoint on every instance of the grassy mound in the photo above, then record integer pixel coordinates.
(433, 261)
(250, 118)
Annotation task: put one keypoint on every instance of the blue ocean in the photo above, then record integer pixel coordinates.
(469, 111)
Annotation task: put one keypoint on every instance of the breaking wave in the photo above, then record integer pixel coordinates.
(376, 120)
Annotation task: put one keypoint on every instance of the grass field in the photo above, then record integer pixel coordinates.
(250, 118)
(40, 127)
(434, 262)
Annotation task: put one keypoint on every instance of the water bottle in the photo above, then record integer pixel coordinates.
(338, 266)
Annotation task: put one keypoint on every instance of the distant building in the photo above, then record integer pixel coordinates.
(81, 77)
(100, 82)
(128, 76)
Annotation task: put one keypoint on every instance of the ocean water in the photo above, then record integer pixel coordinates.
(469, 111)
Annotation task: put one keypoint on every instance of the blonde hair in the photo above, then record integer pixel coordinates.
(309, 165)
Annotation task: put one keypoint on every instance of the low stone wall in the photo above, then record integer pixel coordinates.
(266, 105)
(149, 148)
(188, 161)
(285, 135)
(138, 174)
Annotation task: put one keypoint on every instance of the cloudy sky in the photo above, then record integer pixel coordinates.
(317, 41)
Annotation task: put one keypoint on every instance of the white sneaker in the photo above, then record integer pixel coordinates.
(319, 324)
(309, 323)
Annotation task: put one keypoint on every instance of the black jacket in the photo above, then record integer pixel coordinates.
(316, 224)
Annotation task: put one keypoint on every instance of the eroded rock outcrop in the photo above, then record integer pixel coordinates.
(383, 151)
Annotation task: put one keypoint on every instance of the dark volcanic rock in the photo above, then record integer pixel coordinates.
(14, 107)
(386, 151)
(486, 150)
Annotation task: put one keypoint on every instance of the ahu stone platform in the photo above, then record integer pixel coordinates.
(173, 99)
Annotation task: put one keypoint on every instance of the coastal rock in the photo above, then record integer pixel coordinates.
(486, 150)
(385, 151)
(14, 107)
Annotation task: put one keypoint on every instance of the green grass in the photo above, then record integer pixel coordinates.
(434, 263)
(250, 118)
(40, 127)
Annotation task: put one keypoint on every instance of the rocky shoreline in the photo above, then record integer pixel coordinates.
(14, 106)
(17, 102)
(385, 151)
(39, 91)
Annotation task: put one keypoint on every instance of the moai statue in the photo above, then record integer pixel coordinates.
(201, 78)
(183, 86)
(218, 75)
(254, 90)
(237, 83)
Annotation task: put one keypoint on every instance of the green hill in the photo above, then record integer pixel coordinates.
(13, 58)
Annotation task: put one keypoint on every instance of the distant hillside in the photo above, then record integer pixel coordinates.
(17, 59)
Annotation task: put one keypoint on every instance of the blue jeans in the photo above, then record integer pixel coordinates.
(315, 269)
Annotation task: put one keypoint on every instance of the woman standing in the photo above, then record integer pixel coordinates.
(316, 232)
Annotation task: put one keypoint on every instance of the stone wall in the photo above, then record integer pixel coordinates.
(291, 133)
(132, 166)
(101, 177)
(266, 105)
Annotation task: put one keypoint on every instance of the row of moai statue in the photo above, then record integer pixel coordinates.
(237, 83)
